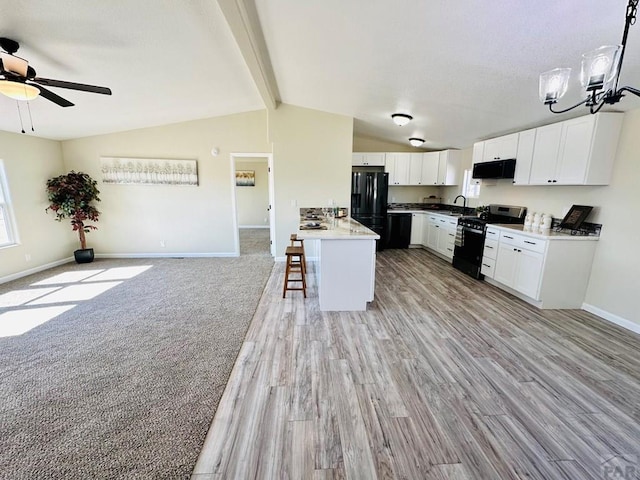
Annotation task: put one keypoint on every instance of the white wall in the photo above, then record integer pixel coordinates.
(253, 202)
(193, 220)
(312, 164)
(28, 163)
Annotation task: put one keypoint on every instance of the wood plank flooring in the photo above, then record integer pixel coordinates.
(443, 377)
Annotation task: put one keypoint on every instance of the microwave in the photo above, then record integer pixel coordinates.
(495, 169)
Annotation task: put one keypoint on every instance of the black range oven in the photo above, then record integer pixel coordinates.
(467, 255)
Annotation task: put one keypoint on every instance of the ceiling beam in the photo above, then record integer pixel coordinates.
(242, 18)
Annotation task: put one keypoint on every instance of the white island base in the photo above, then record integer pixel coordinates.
(346, 265)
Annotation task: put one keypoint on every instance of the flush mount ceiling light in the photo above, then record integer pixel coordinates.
(416, 142)
(18, 90)
(600, 73)
(401, 119)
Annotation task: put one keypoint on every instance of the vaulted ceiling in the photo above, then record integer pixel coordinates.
(465, 70)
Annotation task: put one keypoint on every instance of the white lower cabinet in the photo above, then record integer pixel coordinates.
(416, 228)
(551, 272)
(440, 234)
(519, 269)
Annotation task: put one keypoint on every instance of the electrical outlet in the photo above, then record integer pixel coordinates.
(27, 257)
(294, 203)
(162, 243)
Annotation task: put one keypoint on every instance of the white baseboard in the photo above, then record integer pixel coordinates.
(166, 255)
(253, 226)
(40, 268)
(610, 317)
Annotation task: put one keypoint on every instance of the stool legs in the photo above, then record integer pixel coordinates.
(295, 265)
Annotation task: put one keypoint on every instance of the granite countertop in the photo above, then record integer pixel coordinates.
(546, 234)
(429, 208)
(343, 229)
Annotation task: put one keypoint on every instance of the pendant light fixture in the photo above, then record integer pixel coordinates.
(416, 142)
(599, 74)
(401, 119)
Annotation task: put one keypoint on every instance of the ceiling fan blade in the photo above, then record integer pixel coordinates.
(73, 86)
(57, 99)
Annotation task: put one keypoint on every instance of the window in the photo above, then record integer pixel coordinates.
(7, 231)
(470, 186)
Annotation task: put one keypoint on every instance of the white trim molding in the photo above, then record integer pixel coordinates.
(167, 255)
(31, 271)
(610, 317)
(253, 226)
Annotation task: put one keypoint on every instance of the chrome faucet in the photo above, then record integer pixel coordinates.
(464, 202)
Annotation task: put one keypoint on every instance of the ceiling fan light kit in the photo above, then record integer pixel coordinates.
(18, 91)
(19, 81)
(599, 74)
(416, 142)
(401, 119)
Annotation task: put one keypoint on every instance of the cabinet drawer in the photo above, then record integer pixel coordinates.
(533, 244)
(508, 238)
(488, 267)
(523, 242)
(490, 249)
(492, 234)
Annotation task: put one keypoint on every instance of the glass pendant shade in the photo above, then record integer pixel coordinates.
(416, 142)
(18, 90)
(553, 84)
(600, 67)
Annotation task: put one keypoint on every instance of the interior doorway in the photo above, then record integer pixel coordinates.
(253, 199)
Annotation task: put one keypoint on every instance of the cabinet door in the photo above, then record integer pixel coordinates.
(397, 164)
(432, 239)
(415, 169)
(575, 150)
(546, 149)
(357, 159)
(430, 162)
(374, 159)
(416, 228)
(478, 152)
(505, 267)
(449, 167)
(524, 157)
(501, 148)
(528, 273)
(425, 231)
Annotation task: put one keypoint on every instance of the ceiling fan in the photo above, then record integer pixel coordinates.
(19, 81)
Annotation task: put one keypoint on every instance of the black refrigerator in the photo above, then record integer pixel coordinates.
(369, 201)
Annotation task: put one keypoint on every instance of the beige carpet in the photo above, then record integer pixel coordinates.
(123, 385)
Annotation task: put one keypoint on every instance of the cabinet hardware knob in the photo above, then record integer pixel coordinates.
(554, 181)
(548, 181)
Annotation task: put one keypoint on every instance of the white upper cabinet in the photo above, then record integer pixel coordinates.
(449, 167)
(524, 157)
(367, 159)
(500, 148)
(478, 152)
(430, 165)
(415, 168)
(545, 154)
(424, 168)
(580, 151)
(397, 164)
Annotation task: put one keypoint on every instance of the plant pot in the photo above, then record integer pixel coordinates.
(84, 255)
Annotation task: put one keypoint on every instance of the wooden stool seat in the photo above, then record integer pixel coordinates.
(295, 265)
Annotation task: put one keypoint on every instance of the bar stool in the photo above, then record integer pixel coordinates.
(295, 264)
(294, 239)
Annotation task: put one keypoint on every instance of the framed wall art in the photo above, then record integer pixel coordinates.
(245, 178)
(149, 171)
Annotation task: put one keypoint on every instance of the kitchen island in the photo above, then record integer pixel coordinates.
(346, 263)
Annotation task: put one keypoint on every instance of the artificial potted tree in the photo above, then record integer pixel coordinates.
(71, 196)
